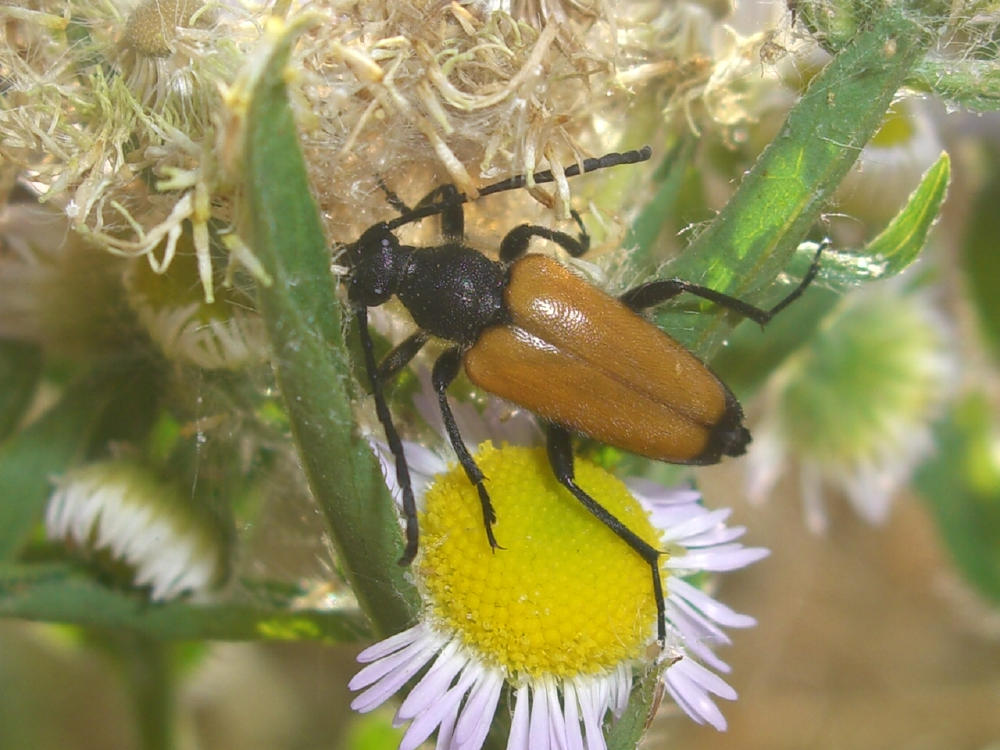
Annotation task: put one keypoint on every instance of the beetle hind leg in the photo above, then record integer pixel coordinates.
(445, 371)
(656, 292)
(560, 450)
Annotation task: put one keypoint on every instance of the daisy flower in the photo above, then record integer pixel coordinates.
(119, 508)
(855, 406)
(561, 616)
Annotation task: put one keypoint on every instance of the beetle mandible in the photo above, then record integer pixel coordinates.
(527, 329)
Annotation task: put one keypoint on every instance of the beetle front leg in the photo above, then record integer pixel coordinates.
(445, 371)
(515, 242)
(391, 436)
(560, 450)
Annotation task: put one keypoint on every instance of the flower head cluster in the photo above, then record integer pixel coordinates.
(562, 614)
(854, 408)
(119, 508)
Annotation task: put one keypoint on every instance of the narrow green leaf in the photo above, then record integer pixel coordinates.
(743, 250)
(669, 178)
(63, 594)
(752, 353)
(980, 258)
(961, 484)
(310, 359)
(20, 368)
(748, 244)
(30, 459)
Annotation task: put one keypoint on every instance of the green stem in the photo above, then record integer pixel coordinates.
(780, 199)
(310, 355)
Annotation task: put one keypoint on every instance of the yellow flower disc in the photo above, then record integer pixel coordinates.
(564, 596)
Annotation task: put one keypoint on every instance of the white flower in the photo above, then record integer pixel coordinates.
(562, 614)
(119, 507)
(854, 407)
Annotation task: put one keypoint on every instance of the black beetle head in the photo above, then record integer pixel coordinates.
(378, 260)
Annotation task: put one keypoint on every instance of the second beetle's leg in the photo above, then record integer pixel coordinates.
(445, 370)
(561, 459)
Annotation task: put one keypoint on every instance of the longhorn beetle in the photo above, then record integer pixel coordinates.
(528, 330)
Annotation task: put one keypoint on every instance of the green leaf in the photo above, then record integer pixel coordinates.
(981, 260)
(30, 459)
(64, 594)
(961, 485)
(669, 178)
(751, 240)
(752, 353)
(970, 83)
(304, 324)
(20, 368)
(748, 244)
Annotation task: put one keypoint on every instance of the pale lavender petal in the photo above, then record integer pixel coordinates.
(715, 535)
(519, 725)
(433, 684)
(705, 679)
(402, 671)
(574, 737)
(697, 525)
(592, 711)
(422, 726)
(379, 668)
(446, 730)
(719, 559)
(710, 607)
(621, 688)
(538, 732)
(696, 704)
(557, 721)
(477, 713)
(392, 643)
(655, 495)
(685, 687)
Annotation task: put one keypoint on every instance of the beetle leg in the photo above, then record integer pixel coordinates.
(395, 444)
(445, 370)
(560, 450)
(391, 198)
(515, 242)
(452, 213)
(401, 355)
(655, 292)
(445, 198)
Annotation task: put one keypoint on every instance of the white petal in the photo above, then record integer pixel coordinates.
(386, 679)
(477, 713)
(518, 737)
(435, 683)
(691, 696)
(718, 559)
(439, 711)
(538, 732)
(592, 713)
(708, 606)
(574, 738)
(392, 643)
(557, 720)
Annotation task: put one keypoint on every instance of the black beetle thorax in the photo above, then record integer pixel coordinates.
(453, 292)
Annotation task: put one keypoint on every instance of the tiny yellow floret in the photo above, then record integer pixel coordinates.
(564, 596)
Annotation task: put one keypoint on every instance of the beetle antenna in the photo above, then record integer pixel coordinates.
(519, 181)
